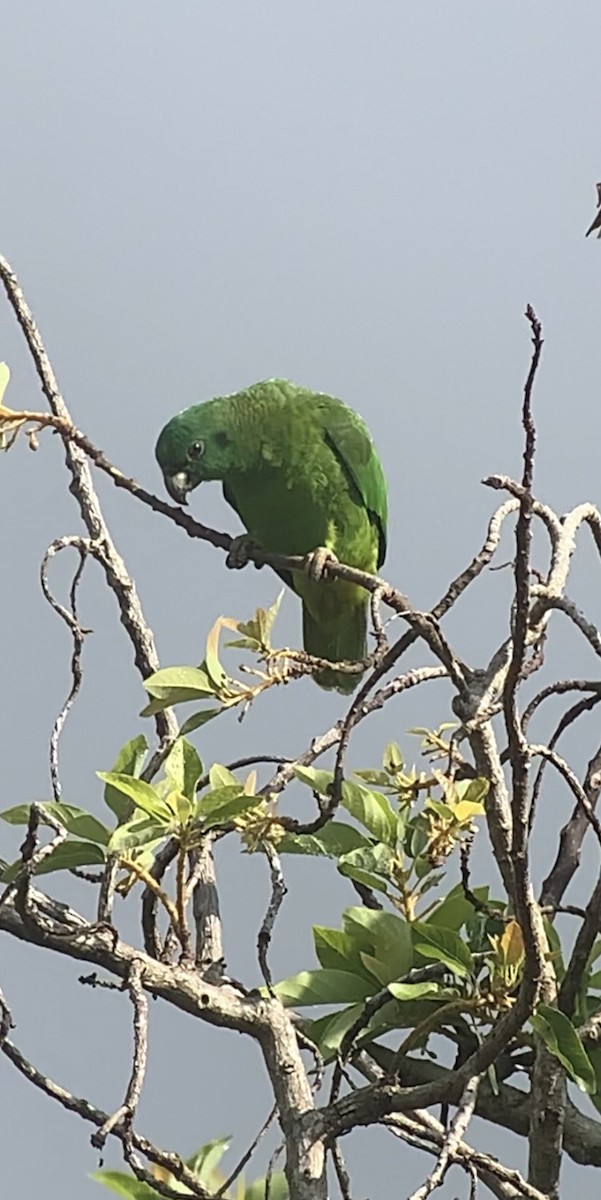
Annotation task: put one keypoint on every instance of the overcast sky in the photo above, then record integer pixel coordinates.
(359, 197)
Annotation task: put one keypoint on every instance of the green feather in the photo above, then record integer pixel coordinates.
(301, 471)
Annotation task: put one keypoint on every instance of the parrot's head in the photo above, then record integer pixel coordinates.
(195, 446)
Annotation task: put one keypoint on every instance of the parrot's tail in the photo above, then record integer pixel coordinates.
(337, 638)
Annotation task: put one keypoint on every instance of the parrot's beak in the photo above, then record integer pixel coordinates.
(178, 486)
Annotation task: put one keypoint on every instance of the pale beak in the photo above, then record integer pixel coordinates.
(178, 486)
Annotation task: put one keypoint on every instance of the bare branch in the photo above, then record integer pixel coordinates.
(453, 1137)
(127, 1111)
(78, 634)
(207, 920)
(572, 836)
(573, 783)
(518, 753)
(278, 892)
(82, 488)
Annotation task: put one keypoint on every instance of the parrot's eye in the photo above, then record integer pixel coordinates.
(196, 450)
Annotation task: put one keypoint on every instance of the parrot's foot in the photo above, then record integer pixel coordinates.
(239, 553)
(316, 563)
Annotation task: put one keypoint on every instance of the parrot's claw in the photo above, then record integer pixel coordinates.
(316, 563)
(239, 553)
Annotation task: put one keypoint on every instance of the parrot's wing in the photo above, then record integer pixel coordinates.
(349, 441)
(228, 495)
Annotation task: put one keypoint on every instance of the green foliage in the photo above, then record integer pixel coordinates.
(562, 1039)
(373, 950)
(432, 963)
(402, 845)
(147, 814)
(86, 843)
(129, 761)
(210, 681)
(204, 1165)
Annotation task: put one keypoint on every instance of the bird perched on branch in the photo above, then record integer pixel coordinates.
(302, 472)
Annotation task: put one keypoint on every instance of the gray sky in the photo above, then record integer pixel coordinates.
(361, 198)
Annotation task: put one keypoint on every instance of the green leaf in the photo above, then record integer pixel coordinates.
(594, 1053)
(257, 631)
(327, 1032)
(130, 758)
(415, 991)
(181, 807)
(206, 1159)
(76, 820)
(66, 855)
(454, 910)
(374, 882)
(323, 987)
(335, 839)
(278, 1188)
(176, 685)
(336, 950)
(442, 945)
(376, 969)
(140, 830)
(393, 760)
(129, 761)
(563, 1041)
(224, 802)
(377, 860)
(124, 1185)
(231, 809)
(376, 778)
(318, 781)
(218, 796)
(428, 880)
(211, 663)
(222, 777)
(418, 840)
(382, 934)
(142, 794)
(440, 809)
(199, 718)
(472, 790)
(183, 767)
(393, 945)
(371, 809)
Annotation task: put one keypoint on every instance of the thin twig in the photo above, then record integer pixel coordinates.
(559, 688)
(573, 783)
(518, 753)
(453, 1137)
(572, 836)
(583, 945)
(168, 1161)
(106, 894)
(278, 892)
(342, 1174)
(568, 718)
(117, 577)
(246, 1157)
(125, 1114)
(82, 545)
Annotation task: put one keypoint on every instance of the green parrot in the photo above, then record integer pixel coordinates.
(303, 474)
